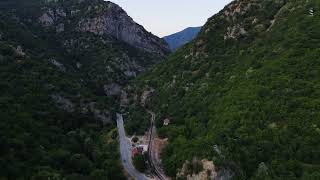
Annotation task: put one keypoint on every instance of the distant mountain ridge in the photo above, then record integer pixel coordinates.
(181, 38)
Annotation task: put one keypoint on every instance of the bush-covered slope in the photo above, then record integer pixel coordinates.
(247, 86)
(38, 139)
(60, 88)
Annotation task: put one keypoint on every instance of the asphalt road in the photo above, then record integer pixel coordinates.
(125, 151)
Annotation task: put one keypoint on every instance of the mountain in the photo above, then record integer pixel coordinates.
(181, 38)
(63, 66)
(244, 94)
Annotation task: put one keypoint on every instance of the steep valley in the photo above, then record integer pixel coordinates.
(240, 101)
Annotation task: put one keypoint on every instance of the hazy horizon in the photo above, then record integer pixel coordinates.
(166, 17)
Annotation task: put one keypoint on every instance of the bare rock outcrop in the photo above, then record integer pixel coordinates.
(145, 95)
(114, 21)
(112, 89)
(238, 21)
(102, 18)
(207, 171)
(63, 103)
(59, 65)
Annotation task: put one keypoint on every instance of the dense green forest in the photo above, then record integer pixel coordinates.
(245, 92)
(40, 141)
(56, 119)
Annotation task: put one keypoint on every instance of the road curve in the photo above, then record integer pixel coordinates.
(125, 151)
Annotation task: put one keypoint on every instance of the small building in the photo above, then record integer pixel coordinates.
(144, 148)
(166, 122)
(141, 149)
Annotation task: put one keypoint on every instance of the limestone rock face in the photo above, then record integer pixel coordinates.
(239, 21)
(19, 51)
(114, 21)
(145, 95)
(63, 103)
(50, 16)
(102, 18)
(112, 89)
(59, 65)
(47, 18)
(208, 172)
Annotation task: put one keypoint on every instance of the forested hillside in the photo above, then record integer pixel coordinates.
(61, 84)
(245, 92)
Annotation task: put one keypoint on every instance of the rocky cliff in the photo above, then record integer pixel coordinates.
(101, 18)
(114, 21)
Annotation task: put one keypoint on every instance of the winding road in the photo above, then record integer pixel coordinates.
(125, 151)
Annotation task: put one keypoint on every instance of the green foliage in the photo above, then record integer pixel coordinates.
(135, 139)
(98, 174)
(311, 176)
(197, 166)
(138, 120)
(38, 139)
(256, 96)
(46, 173)
(139, 162)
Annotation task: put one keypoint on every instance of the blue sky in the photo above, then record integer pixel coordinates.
(164, 17)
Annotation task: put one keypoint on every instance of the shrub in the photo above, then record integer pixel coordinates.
(140, 163)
